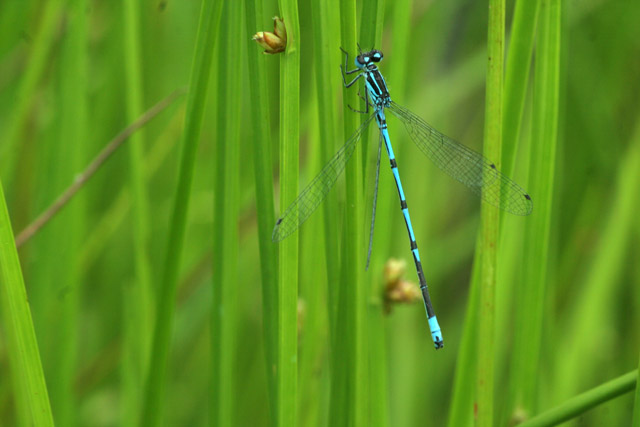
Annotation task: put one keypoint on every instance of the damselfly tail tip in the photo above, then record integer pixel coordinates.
(435, 333)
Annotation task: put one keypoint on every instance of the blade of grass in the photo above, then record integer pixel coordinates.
(326, 21)
(461, 411)
(371, 27)
(224, 311)
(199, 81)
(327, 57)
(312, 312)
(353, 339)
(519, 56)
(41, 46)
(490, 216)
(326, 30)
(30, 390)
(369, 37)
(530, 301)
(581, 403)
(61, 272)
(372, 23)
(325, 41)
(138, 300)
(287, 378)
(261, 151)
(516, 79)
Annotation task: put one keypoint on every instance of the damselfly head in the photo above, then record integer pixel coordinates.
(367, 58)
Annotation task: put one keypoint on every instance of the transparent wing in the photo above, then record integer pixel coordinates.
(311, 197)
(465, 165)
(375, 201)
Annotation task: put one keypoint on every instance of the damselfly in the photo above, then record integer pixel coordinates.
(461, 163)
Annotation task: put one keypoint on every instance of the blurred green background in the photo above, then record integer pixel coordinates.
(75, 73)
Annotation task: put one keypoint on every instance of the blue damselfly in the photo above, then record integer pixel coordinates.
(461, 163)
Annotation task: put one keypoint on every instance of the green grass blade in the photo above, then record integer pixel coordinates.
(287, 365)
(261, 144)
(312, 309)
(224, 313)
(328, 57)
(354, 295)
(530, 313)
(490, 216)
(516, 79)
(461, 411)
(369, 37)
(371, 28)
(30, 390)
(59, 328)
(519, 56)
(326, 67)
(207, 34)
(138, 302)
(581, 403)
(43, 41)
(372, 24)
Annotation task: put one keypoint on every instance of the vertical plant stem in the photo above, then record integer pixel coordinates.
(40, 47)
(61, 273)
(372, 24)
(225, 220)
(369, 37)
(137, 301)
(461, 412)
(530, 313)
(325, 38)
(30, 390)
(287, 366)
(312, 310)
(519, 56)
(324, 29)
(355, 297)
(261, 148)
(490, 216)
(516, 80)
(199, 81)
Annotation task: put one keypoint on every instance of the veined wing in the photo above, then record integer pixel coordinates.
(465, 165)
(311, 197)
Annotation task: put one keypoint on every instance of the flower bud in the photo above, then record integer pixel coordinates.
(398, 290)
(275, 42)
